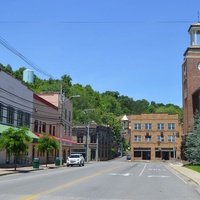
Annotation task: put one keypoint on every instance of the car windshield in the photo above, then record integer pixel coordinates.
(74, 156)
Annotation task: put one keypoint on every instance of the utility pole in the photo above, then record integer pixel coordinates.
(88, 134)
(97, 145)
(174, 139)
(87, 142)
(60, 123)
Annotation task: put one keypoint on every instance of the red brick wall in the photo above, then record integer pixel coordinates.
(191, 82)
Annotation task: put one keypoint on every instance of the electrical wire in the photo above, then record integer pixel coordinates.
(26, 100)
(25, 59)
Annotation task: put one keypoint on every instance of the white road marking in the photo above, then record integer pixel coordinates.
(154, 176)
(150, 169)
(117, 174)
(142, 170)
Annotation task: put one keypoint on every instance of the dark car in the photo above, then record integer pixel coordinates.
(128, 157)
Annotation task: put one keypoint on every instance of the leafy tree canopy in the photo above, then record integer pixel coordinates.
(47, 144)
(192, 151)
(15, 142)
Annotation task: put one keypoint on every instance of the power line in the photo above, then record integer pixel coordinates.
(96, 22)
(25, 59)
(26, 100)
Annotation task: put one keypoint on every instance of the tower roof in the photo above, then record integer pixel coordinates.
(124, 118)
(196, 25)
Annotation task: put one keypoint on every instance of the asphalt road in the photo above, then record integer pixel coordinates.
(119, 180)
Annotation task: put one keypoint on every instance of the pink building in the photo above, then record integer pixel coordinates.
(53, 115)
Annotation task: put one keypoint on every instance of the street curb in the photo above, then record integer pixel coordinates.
(184, 174)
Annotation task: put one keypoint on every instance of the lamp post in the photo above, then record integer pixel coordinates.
(97, 144)
(61, 101)
(88, 133)
(174, 148)
(87, 142)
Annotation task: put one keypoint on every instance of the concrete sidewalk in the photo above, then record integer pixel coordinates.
(190, 174)
(7, 171)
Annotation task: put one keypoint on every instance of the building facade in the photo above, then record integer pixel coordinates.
(94, 140)
(155, 137)
(45, 120)
(191, 76)
(16, 107)
(59, 120)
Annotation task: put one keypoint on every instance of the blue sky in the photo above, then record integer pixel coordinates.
(133, 47)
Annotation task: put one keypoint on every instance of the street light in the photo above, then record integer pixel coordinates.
(174, 148)
(87, 139)
(75, 96)
(61, 100)
(86, 111)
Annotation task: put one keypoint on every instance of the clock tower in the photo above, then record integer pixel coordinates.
(191, 75)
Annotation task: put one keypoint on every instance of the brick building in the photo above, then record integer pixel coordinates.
(191, 77)
(155, 137)
(93, 139)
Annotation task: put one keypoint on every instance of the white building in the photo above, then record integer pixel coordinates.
(16, 107)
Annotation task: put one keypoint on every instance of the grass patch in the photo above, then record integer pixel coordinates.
(194, 167)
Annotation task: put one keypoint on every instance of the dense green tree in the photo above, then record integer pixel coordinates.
(15, 142)
(192, 151)
(7, 68)
(19, 73)
(47, 144)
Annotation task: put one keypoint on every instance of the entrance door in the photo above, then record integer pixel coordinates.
(165, 155)
(146, 155)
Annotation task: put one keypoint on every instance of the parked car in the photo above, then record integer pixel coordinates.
(128, 157)
(75, 159)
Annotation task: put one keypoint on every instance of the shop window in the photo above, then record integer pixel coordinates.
(137, 154)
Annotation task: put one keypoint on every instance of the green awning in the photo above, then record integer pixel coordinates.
(29, 133)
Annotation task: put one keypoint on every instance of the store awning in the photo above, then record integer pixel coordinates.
(68, 141)
(29, 133)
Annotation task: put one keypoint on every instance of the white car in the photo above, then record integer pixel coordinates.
(75, 159)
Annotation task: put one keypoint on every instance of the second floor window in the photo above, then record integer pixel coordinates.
(93, 138)
(148, 138)
(160, 126)
(171, 138)
(10, 115)
(40, 127)
(27, 119)
(54, 130)
(160, 138)
(148, 126)
(65, 114)
(137, 138)
(50, 129)
(19, 118)
(36, 126)
(70, 116)
(80, 139)
(137, 126)
(1, 112)
(44, 127)
(171, 126)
